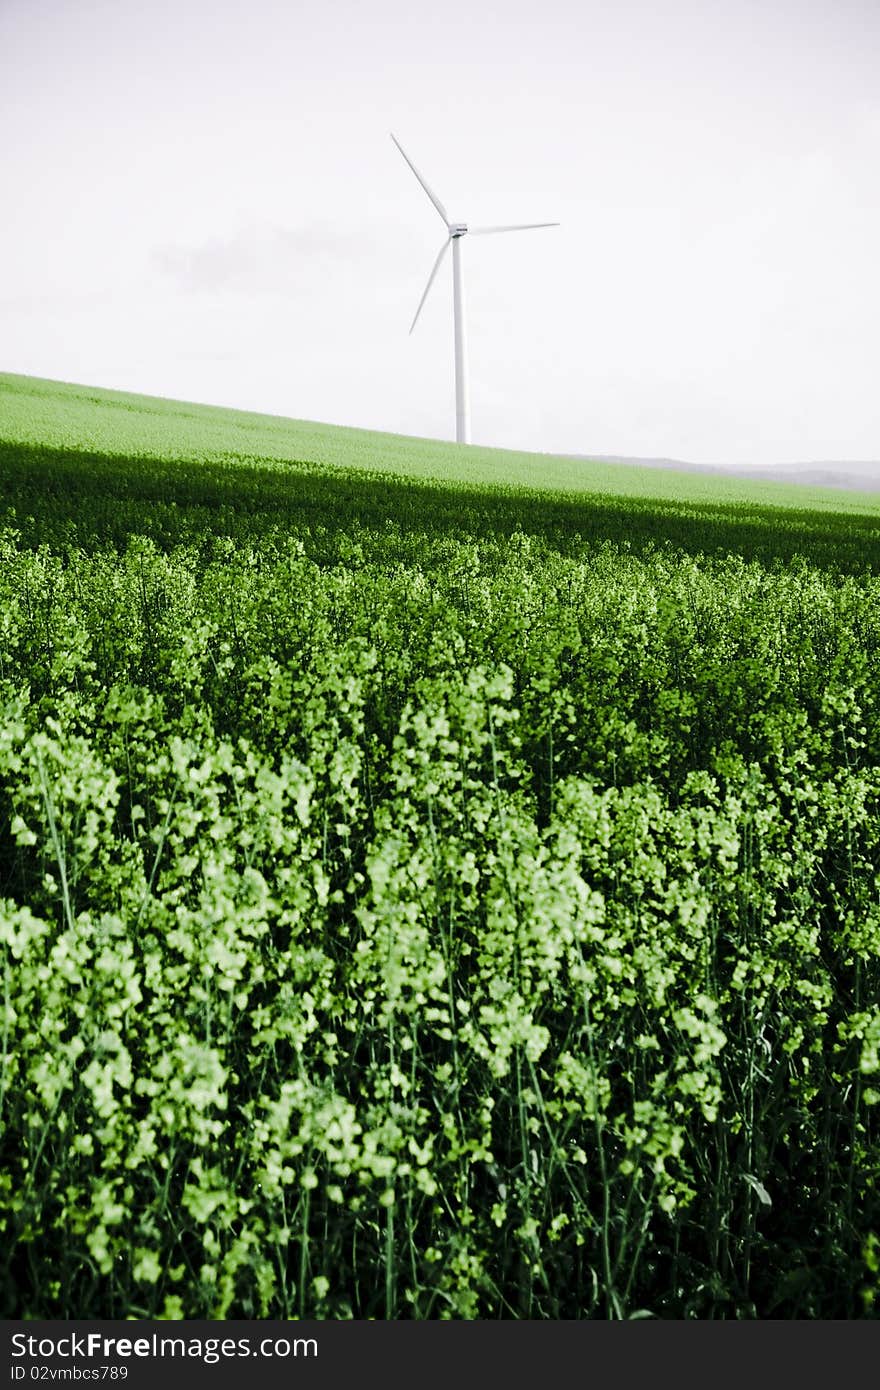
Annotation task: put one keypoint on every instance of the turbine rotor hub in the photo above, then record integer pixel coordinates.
(457, 229)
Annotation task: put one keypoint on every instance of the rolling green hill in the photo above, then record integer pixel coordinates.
(61, 415)
(123, 465)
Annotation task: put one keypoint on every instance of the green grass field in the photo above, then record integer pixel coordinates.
(434, 881)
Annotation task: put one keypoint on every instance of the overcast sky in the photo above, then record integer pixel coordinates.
(201, 200)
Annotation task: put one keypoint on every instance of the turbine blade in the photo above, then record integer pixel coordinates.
(431, 279)
(522, 227)
(433, 196)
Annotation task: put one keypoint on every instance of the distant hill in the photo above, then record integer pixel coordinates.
(857, 475)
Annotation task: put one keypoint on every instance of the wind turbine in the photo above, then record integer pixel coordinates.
(455, 231)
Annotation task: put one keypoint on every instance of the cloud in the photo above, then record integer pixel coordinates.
(264, 259)
(45, 302)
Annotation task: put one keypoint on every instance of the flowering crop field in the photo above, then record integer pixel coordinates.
(434, 883)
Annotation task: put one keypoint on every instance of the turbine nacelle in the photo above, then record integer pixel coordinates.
(457, 228)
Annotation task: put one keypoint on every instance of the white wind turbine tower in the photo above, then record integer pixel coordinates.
(455, 232)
